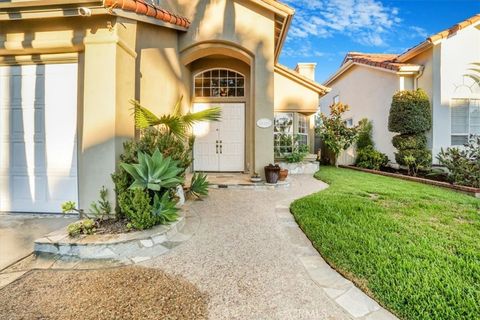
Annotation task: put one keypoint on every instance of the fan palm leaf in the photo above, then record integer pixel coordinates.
(475, 72)
(175, 123)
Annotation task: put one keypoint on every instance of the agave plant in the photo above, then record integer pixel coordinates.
(154, 172)
(475, 75)
(198, 185)
(175, 123)
(164, 209)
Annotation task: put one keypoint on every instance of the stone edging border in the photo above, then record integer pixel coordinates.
(127, 248)
(475, 192)
(340, 290)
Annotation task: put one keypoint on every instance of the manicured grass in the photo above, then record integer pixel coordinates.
(413, 247)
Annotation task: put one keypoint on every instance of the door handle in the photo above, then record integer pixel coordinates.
(216, 148)
(221, 149)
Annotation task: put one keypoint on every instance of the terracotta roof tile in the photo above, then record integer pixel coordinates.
(380, 60)
(147, 9)
(452, 30)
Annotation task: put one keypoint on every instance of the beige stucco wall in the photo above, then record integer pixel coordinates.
(292, 96)
(368, 92)
(161, 78)
(249, 28)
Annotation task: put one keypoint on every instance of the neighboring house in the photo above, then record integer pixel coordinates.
(438, 65)
(69, 68)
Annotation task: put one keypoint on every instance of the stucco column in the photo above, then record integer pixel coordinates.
(108, 84)
(264, 108)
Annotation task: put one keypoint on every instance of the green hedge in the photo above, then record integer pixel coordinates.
(410, 112)
(410, 141)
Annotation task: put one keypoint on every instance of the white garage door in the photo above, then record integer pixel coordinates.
(38, 148)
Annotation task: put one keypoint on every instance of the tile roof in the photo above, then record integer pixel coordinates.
(380, 60)
(452, 30)
(147, 9)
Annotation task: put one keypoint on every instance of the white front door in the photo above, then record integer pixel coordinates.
(38, 145)
(220, 146)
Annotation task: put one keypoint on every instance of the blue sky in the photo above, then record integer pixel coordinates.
(323, 31)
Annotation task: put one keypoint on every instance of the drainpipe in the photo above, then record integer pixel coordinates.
(420, 74)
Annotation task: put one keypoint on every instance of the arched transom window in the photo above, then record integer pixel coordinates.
(219, 83)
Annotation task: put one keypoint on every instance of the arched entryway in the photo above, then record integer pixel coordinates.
(221, 77)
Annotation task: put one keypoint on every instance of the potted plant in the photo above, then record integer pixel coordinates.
(272, 173)
(255, 178)
(283, 174)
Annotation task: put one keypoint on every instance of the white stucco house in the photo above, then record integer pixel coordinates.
(438, 65)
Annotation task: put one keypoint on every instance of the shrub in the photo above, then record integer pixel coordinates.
(370, 158)
(152, 139)
(135, 204)
(365, 129)
(410, 115)
(463, 164)
(410, 112)
(422, 157)
(409, 141)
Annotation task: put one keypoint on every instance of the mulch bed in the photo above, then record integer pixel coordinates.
(120, 293)
(112, 226)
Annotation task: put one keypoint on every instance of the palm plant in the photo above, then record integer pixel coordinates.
(154, 172)
(175, 123)
(475, 75)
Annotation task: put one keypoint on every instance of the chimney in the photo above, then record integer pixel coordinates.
(307, 70)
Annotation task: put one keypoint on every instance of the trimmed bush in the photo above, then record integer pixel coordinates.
(410, 112)
(370, 158)
(410, 115)
(410, 141)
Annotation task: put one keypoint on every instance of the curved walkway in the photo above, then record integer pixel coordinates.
(253, 260)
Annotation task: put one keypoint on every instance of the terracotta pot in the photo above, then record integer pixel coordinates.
(271, 173)
(283, 175)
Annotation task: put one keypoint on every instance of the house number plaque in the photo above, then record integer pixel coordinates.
(264, 123)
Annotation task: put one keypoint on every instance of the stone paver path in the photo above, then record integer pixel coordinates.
(253, 260)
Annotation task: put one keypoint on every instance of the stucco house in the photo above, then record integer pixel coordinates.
(69, 68)
(438, 65)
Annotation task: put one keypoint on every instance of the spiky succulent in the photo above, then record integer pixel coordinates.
(154, 172)
(198, 185)
(164, 209)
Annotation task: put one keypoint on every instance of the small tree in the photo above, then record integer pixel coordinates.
(365, 128)
(410, 116)
(335, 133)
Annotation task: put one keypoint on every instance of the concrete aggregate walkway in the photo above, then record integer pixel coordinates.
(253, 260)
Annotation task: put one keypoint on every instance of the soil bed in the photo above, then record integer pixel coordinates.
(120, 293)
(112, 226)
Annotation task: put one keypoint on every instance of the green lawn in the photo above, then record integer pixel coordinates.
(413, 247)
